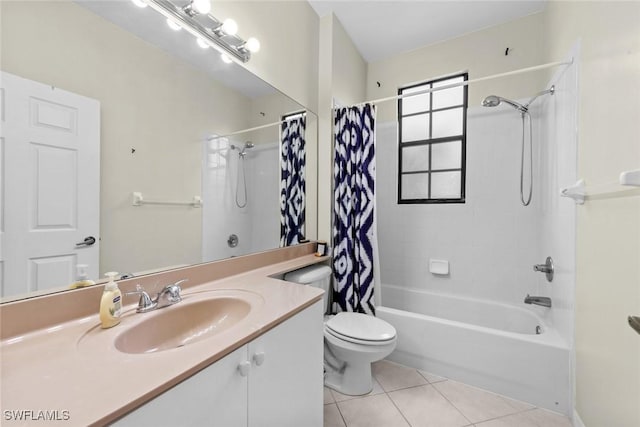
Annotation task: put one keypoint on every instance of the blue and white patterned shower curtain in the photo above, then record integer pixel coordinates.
(354, 173)
(292, 181)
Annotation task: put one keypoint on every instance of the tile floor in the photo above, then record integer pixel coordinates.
(404, 397)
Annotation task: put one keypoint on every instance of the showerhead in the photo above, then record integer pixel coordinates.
(491, 101)
(494, 101)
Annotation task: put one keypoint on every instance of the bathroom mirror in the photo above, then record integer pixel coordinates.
(168, 117)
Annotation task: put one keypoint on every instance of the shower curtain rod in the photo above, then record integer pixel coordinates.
(465, 83)
(293, 116)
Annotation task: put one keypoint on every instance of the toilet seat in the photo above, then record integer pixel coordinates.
(360, 328)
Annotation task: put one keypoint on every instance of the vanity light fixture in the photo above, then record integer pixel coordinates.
(207, 29)
(173, 25)
(225, 58)
(197, 7)
(252, 45)
(202, 43)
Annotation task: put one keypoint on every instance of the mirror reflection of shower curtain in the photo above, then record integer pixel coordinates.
(355, 262)
(292, 181)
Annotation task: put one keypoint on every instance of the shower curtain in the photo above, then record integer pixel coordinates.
(292, 181)
(354, 231)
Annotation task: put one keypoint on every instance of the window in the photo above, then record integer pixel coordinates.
(432, 142)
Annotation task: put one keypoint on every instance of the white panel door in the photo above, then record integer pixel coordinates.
(286, 380)
(50, 152)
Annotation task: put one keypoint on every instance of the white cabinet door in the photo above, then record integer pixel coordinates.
(285, 384)
(50, 167)
(216, 396)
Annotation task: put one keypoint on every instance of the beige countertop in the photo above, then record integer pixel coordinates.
(74, 368)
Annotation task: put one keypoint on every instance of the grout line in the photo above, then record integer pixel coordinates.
(341, 416)
(396, 406)
(450, 402)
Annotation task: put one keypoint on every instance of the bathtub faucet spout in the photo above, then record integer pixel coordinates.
(543, 301)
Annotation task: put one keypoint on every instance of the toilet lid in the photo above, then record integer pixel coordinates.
(361, 326)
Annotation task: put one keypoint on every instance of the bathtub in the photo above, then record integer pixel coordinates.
(506, 349)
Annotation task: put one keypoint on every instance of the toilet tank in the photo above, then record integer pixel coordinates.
(318, 276)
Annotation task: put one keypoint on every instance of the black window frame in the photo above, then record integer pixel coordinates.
(431, 141)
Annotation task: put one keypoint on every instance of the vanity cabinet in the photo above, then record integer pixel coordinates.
(274, 380)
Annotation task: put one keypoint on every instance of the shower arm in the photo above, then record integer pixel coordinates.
(550, 91)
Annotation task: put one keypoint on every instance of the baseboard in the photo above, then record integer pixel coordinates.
(577, 421)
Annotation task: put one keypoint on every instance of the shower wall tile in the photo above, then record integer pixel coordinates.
(491, 241)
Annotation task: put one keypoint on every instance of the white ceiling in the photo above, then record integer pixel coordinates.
(381, 29)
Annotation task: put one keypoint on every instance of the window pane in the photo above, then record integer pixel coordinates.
(445, 185)
(415, 158)
(447, 155)
(415, 128)
(415, 186)
(416, 103)
(448, 97)
(447, 123)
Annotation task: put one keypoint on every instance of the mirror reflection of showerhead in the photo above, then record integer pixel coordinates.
(243, 151)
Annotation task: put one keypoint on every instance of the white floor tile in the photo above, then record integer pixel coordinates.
(424, 406)
(332, 417)
(328, 397)
(531, 418)
(371, 411)
(431, 377)
(475, 404)
(392, 376)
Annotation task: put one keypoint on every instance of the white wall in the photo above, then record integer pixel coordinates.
(608, 233)
(257, 225)
(342, 78)
(557, 215)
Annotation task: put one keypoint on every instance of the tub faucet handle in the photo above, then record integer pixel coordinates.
(547, 268)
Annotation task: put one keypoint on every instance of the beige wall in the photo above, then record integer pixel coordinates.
(288, 33)
(341, 79)
(481, 53)
(608, 252)
(149, 101)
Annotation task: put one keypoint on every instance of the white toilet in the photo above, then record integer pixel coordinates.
(352, 341)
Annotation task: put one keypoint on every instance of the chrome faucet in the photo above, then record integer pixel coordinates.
(169, 295)
(543, 301)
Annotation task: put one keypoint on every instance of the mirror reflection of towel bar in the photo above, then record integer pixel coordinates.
(138, 200)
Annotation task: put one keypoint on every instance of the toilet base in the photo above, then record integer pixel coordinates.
(353, 380)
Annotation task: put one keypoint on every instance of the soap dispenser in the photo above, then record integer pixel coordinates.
(110, 303)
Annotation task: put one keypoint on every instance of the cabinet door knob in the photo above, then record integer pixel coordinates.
(244, 368)
(258, 358)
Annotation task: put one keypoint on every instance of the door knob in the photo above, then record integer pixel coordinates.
(244, 368)
(258, 358)
(634, 322)
(88, 241)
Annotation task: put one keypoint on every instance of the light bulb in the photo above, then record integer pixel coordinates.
(252, 45)
(229, 27)
(173, 25)
(225, 58)
(201, 6)
(202, 43)
(140, 3)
